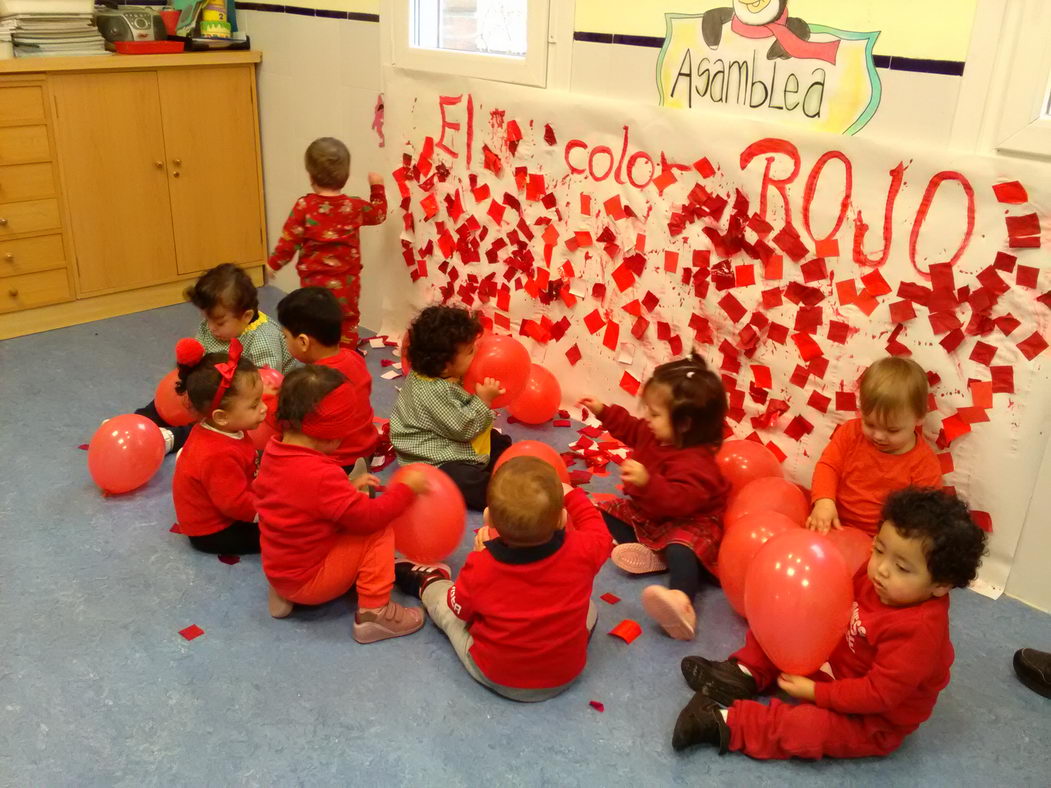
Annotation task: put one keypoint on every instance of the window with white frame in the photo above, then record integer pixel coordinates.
(503, 40)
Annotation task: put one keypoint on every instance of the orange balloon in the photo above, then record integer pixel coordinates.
(502, 358)
(768, 494)
(798, 596)
(855, 546)
(124, 453)
(739, 546)
(430, 530)
(539, 450)
(540, 398)
(173, 408)
(742, 461)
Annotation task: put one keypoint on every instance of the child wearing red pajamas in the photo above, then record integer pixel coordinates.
(887, 670)
(323, 226)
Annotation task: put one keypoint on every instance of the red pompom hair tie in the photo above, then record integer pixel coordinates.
(227, 370)
(188, 352)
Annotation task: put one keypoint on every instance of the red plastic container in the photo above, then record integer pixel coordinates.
(171, 20)
(148, 47)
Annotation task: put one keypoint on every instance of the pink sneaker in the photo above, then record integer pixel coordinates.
(672, 610)
(390, 621)
(637, 559)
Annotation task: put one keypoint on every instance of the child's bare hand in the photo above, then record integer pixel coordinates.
(484, 535)
(634, 472)
(824, 516)
(596, 406)
(415, 481)
(375, 179)
(797, 686)
(366, 481)
(488, 390)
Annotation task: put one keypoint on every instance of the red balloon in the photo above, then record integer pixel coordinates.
(262, 434)
(540, 398)
(539, 450)
(742, 461)
(173, 408)
(769, 494)
(855, 546)
(502, 358)
(125, 452)
(798, 597)
(431, 529)
(406, 367)
(272, 379)
(739, 546)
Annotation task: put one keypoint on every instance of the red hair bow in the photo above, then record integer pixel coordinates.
(227, 370)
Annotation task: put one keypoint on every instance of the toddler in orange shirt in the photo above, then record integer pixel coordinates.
(881, 452)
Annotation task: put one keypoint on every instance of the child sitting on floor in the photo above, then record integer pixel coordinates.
(879, 453)
(310, 321)
(672, 517)
(435, 420)
(320, 534)
(211, 488)
(887, 670)
(520, 614)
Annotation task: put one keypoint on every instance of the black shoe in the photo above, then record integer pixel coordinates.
(412, 578)
(701, 722)
(723, 682)
(1033, 669)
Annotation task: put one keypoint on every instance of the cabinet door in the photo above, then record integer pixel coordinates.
(111, 152)
(210, 135)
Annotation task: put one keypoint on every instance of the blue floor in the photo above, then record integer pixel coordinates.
(98, 688)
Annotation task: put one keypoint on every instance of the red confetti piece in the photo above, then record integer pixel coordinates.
(846, 401)
(1027, 276)
(732, 307)
(610, 599)
(191, 632)
(612, 335)
(573, 354)
(808, 348)
(982, 393)
(1011, 193)
(983, 520)
(594, 322)
(596, 705)
(744, 275)
(827, 247)
(776, 451)
(1004, 262)
(1033, 345)
(561, 423)
(627, 630)
(549, 135)
(983, 353)
(664, 180)
(774, 268)
(704, 167)
(954, 427)
(761, 375)
(230, 560)
(819, 401)
(175, 529)
(798, 427)
(630, 384)
(1003, 380)
(813, 270)
(945, 460)
(876, 284)
(902, 311)
(952, 340)
(83, 447)
(623, 277)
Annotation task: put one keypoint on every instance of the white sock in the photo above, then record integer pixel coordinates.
(725, 713)
(169, 440)
(743, 669)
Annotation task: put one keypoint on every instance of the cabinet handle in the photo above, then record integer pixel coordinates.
(3, 222)
(158, 164)
(175, 174)
(10, 257)
(177, 162)
(13, 293)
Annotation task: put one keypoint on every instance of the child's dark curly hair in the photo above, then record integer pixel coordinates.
(953, 544)
(696, 402)
(302, 390)
(199, 380)
(436, 335)
(225, 286)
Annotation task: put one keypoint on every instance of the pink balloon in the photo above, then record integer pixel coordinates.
(432, 527)
(173, 408)
(540, 398)
(855, 546)
(502, 358)
(124, 453)
(262, 434)
(739, 546)
(272, 379)
(539, 450)
(798, 597)
(769, 494)
(742, 461)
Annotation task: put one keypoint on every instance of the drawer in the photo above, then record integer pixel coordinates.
(22, 104)
(26, 181)
(29, 290)
(28, 217)
(26, 255)
(22, 144)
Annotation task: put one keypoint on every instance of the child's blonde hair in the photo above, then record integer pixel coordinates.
(328, 163)
(525, 501)
(893, 384)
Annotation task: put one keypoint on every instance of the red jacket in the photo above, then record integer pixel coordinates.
(683, 482)
(893, 661)
(362, 440)
(527, 607)
(858, 476)
(212, 483)
(305, 502)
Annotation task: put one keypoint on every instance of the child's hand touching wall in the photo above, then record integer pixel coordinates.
(488, 390)
(375, 179)
(824, 516)
(596, 406)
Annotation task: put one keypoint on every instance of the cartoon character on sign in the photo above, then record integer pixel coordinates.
(767, 19)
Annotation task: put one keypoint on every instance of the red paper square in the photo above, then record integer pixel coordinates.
(902, 311)
(1005, 262)
(1011, 193)
(744, 275)
(983, 353)
(629, 384)
(875, 283)
(612, 335)
(1033, 345)
(776, 451)
(777, 333)
(952, 340)
(846, 401)
(827, 247)
(704, 167)
(798, 427)
(982, 393)
(983, 520)
(191, 632)
(1027, 276)
(1007, 324)
(954, 427)
(945, 460)
(772, 298)
(732, 307)
(773, 268)
(761, 376)
(627, 630)
(596, 705)
(623, 277)
(671, 261)
(1021, 226)
(593, 320)
(819, 401)
(808, 348)
(1003, 379)
(610, 599)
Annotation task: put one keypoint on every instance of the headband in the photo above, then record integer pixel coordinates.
(334, 417)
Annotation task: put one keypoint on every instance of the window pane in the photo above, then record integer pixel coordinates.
(495, 27)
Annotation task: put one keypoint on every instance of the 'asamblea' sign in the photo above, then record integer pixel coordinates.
(611, 237)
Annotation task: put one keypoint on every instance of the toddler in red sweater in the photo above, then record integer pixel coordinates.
(887, 670)
(321, 535)
(520, 615)
(310, 320)
(211, 488)
(672, 518)
(879, 453)
(323, 226)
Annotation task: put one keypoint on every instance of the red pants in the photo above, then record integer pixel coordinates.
(362, 561)
(347, 290)
(785, 730)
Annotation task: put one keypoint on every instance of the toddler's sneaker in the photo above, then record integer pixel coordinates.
(411, 578)
(390, 621)
(701, 722)
(637, 559)
(724, 682)
(672, 609)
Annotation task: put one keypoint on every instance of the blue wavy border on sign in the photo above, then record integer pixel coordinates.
(847, 35)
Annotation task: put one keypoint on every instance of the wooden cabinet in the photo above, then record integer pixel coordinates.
(120, 179)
